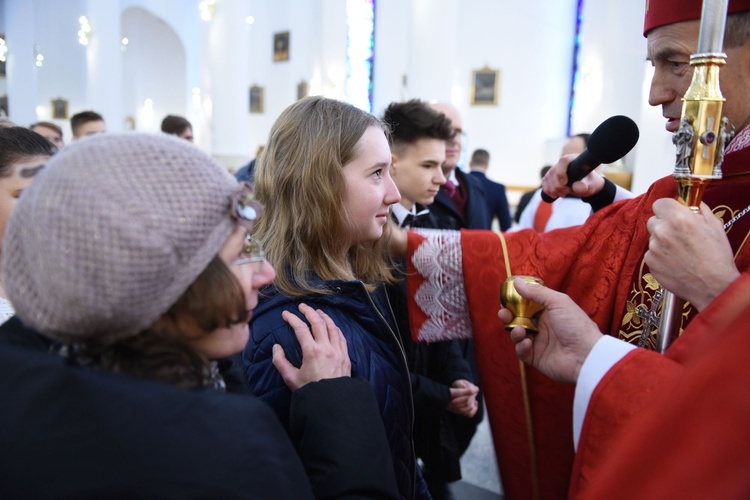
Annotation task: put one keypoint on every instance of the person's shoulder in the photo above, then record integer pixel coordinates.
(15, 332)
(472, 182)
(156, 424)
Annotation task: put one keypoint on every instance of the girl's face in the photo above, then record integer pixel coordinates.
(369, 187)
(225, 342)
(21, 174)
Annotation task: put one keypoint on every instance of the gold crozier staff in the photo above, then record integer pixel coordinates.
(700, 141)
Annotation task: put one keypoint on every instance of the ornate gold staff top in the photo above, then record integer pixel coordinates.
(700, 140)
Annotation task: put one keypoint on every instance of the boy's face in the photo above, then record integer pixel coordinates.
(417, 172)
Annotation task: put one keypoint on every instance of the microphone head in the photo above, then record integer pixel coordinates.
(613, 139)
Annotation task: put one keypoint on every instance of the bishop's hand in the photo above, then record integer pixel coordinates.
(566, 334)
(689, 253)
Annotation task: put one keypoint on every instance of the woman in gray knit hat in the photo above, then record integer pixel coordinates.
(129, 259)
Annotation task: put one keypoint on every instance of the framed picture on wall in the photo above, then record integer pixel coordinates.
(303, 90)
(3, 51)
(60, 108)
(281, 46)
(256, 99)
(485, 87)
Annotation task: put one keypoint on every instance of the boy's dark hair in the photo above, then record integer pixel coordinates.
(413, 120)
(585, 138)
(18, 143)
(175, 125)
(83, 117)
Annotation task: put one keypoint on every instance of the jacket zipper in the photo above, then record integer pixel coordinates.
(408, 377)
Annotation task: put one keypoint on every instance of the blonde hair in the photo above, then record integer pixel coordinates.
(306, 226)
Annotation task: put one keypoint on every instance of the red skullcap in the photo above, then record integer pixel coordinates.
(663, 12)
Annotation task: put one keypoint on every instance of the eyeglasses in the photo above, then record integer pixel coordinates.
(252, 252)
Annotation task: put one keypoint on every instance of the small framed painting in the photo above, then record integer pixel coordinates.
(485, 87)
(60, 108)
(303, 90)
(281, 46)
(257, 99)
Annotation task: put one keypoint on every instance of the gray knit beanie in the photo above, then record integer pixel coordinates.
(112, 232)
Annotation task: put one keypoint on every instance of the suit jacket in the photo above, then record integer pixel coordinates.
(497, 202)
(476, 214)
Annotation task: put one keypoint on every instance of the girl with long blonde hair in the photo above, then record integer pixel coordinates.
(325, 180)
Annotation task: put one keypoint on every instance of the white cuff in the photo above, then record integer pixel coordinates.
(622, 194)
(606, 353)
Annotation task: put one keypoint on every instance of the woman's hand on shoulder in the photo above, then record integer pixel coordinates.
(324, 351)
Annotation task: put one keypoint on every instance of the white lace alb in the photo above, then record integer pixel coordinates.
(442, 296)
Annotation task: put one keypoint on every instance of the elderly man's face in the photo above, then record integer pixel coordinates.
(452, 147)
(669, 50)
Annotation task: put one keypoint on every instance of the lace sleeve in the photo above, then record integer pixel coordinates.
(442, 296)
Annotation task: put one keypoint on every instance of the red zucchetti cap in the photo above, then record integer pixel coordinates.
(663, 12)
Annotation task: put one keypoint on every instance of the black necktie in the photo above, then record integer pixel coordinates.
(418, 220)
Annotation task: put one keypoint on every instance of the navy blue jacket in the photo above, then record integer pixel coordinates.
(376, 355)
(476, 214)
(497, 201)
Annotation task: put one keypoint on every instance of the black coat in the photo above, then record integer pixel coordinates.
(476, 214)
(433, 368)
(497, 200)
(367, 324)
(72, 432)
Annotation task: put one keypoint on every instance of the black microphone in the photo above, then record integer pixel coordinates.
(610, 141)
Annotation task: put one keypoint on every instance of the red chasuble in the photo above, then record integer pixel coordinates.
(454, 281)
(686, 413)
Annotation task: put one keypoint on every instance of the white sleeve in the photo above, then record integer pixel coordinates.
(622, 194)
(606, 353)
(527, 216)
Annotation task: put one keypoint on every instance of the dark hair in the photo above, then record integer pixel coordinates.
(17, 143)
(413, 120)
(82, 118)
(585, 138)
(481, 157)
(175, 125)
(737, 29)
(163, 352)
(49, 125)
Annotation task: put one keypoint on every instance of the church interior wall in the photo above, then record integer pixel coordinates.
(425, 49)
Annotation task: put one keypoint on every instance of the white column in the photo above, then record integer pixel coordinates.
(20, 68)
(104, 62)
(433, 50)
(229, 45)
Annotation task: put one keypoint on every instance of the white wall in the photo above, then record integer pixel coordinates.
(424, 49)
(153, 68)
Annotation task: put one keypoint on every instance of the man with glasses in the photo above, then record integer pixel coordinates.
(461, 202)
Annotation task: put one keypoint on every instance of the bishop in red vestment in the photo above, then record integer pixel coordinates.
(454, 278)
(683, 416)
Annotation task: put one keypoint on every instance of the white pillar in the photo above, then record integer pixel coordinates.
(229, 81)
(104, 62)
(433, 49)
(20, 67)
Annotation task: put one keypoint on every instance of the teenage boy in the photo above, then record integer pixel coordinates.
(441, 378)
